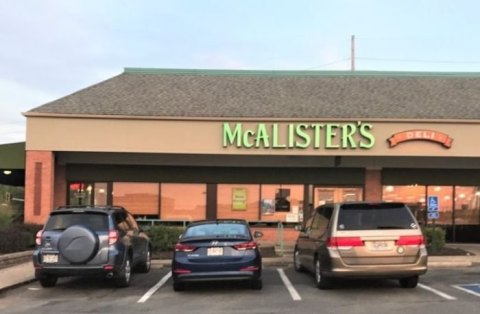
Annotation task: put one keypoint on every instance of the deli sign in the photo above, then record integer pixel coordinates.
(421, 135)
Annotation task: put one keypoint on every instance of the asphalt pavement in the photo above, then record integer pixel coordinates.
(22, 273)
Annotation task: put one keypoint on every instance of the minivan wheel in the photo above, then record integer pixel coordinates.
(321, 281)
(48, 281)
(124, 277)
(144, 267)
(409, 282)
(296, 261)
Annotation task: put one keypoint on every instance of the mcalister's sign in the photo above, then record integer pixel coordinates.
(299, 135)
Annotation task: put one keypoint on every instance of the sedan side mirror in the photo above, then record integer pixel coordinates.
(257, 234)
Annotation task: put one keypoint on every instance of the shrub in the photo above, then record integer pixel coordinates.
(18, 237)
(6, 217)
(437, 242)
(164, 237)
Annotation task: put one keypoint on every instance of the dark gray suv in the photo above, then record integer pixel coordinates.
(81, 241)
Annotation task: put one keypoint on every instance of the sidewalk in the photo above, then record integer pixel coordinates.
(24, 272)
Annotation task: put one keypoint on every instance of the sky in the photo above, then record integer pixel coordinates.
(50, 49)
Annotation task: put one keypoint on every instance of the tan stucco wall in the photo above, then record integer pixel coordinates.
(206, 137)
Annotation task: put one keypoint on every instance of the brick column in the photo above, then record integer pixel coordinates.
(373, 184)
(39, 185)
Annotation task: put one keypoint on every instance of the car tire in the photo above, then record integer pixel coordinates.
(124, 277)
(48, 281)
(78, 244)
(144, 267)
(178, 286)
(321, 281)
(296, 261)
(409, 282)
(256, 284)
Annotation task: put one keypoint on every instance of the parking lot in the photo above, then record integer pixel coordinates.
(285, 291)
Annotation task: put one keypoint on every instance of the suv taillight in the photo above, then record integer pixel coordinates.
(411, 240)
(344, 242)
(246, 246)
(38, 237)
(112, 237)
(184, 248)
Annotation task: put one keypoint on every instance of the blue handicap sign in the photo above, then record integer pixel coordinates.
(432, 203)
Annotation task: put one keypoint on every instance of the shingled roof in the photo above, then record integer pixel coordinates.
(276, 94)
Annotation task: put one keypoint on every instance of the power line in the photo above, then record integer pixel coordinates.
(331, 63)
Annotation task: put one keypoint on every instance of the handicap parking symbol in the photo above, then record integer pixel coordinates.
(473, 288)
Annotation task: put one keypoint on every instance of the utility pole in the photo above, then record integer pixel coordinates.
(353, 53)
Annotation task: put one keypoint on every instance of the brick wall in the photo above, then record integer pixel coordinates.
(39, 183)
(373, 184)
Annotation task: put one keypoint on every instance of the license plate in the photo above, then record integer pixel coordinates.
(50, 258)
(380, 245)
(215, 251)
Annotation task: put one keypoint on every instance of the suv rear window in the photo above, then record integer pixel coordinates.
(97, 222)
(375, 216)
(218, 230)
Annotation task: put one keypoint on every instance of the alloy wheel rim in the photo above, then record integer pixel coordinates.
(318, 275)
(297, 259)
(127, 270)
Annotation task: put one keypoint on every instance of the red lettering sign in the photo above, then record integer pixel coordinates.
(421, 135)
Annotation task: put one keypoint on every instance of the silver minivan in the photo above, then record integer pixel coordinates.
(362, 240)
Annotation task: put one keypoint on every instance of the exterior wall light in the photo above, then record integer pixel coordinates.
(7, 172)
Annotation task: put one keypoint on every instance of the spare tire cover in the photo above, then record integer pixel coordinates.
(78, 244)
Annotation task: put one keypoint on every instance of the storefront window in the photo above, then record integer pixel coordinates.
(326, 195)
(445, 202)
(239, 201)
(183, 201)
(100, 195)
(80, 193)
(412, 195)
(137, 198)
(467, 205)
(281, 202)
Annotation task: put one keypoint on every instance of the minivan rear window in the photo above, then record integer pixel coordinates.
(375, 216)
(59, 222)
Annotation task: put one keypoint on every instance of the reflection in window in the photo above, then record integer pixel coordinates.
(183, 201)
(280, 201)
(467, 205)
(100, 195)
(80, 193)
(137, 198)
(239, 201)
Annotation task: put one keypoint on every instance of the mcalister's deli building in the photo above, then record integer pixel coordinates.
(265, 146)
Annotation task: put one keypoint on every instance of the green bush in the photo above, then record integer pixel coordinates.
(164, 237)
(18, 237)
(437, 242)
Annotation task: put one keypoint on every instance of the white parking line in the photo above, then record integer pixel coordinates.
(288, 284)
(459, 287)
(154, 289)
(437, 292)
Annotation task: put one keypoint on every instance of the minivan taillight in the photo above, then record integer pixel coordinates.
(112, 237)
(184, 248)
(344, 242)
(252, 245)
(411, 240)
(38, 237)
